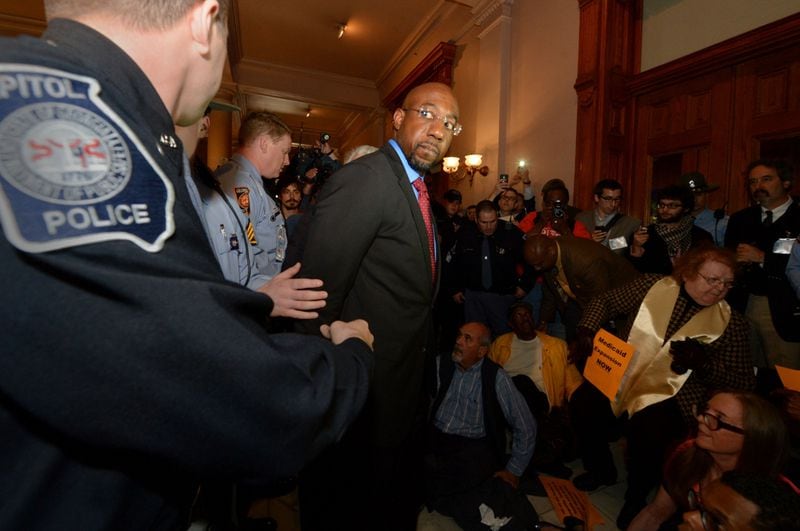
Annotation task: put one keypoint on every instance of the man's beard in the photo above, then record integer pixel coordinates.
(420, 165)
(670, 219)
(291, 205)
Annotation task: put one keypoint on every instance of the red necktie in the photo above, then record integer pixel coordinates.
(425, 207)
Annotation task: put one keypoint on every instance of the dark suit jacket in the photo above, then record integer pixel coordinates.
(590, 268)
(367, 242)
(745, 226)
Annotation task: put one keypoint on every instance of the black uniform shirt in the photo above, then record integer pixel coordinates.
(128, 374)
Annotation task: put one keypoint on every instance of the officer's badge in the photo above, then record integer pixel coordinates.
(243, 198)
(71, 171)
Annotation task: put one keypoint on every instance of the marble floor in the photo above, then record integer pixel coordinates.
(607, 500)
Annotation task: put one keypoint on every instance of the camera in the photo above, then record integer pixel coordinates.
(503, 177)
(307, 158)
(558, 209)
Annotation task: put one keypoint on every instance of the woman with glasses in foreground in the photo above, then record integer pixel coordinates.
(689, 343)
(735, 431)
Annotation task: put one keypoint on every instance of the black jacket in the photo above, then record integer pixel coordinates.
(127, 376)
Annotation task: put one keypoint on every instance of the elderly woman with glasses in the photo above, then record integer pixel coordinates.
(688, 341)
(735, 431)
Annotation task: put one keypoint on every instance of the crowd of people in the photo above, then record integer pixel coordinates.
(236, 332)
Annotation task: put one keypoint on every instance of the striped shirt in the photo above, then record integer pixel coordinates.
(461, 413)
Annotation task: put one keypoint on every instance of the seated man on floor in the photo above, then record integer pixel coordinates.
(466, 468)
(538, 366)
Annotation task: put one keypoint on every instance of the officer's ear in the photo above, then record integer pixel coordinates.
(203, 19)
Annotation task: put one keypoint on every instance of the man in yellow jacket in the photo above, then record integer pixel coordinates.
(538, 366)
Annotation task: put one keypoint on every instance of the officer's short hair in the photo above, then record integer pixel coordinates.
(262, 123)
(141, 14)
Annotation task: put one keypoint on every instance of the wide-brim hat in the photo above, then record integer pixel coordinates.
(696, 182)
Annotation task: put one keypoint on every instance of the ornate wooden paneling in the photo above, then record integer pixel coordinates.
(716, 110)
(607, 57)
(767, 111)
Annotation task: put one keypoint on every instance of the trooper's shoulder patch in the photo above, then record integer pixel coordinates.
(71, 170)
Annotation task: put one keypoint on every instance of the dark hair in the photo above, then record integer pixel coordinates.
(485, 206)
(606, 184)
(688, 264)
(782, 168)
(764, 449)
(778, 504)
(680, 193)
(555, 184)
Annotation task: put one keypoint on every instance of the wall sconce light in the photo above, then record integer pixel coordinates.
(473, 165)
(341, 27)
(308, 111)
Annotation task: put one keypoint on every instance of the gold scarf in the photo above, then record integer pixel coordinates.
(649, 379)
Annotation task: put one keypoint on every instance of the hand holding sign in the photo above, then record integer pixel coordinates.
(608, 362)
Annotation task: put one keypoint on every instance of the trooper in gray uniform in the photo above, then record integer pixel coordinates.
(224, 221)
(264, 145)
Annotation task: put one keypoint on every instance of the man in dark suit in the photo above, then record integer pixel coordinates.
(575, 270)
(371, 240)
(762, 237)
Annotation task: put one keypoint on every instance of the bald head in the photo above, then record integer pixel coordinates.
(420, 124)
(541, 252)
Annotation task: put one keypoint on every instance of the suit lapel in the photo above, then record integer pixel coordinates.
(413, 204)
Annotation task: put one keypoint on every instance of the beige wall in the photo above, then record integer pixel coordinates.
(674, 28)
(526, 109)
(543, 100)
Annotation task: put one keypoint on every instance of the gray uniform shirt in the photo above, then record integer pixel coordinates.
(240, 179)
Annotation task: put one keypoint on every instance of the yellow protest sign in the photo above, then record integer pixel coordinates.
(608, 362)
(790, 378)
(569, 501)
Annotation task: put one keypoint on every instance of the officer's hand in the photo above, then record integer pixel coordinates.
(340, 331)
(294, 297)
(508, 477)
(599, 235)
(687, 354)
(459, 297)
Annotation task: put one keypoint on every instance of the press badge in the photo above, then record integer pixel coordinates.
(71, 170)
(783, 246)
(617, 243)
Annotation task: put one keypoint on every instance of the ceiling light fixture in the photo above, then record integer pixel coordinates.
(342, 26)
(473, 163)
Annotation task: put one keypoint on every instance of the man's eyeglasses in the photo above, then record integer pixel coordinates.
(715, 282)
(709, 521)
(428, 115)
(669, 206)
(713, 422)
(611, 199)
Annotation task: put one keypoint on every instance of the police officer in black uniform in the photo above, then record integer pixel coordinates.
(130, 368)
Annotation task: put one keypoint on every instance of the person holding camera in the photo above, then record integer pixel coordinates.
(689, 342)
(656, 247)
(557, 218)
(608, 225)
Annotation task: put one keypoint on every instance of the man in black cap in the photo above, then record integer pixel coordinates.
(712, 221)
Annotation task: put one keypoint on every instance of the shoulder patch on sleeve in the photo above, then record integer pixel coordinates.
(71, 170)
